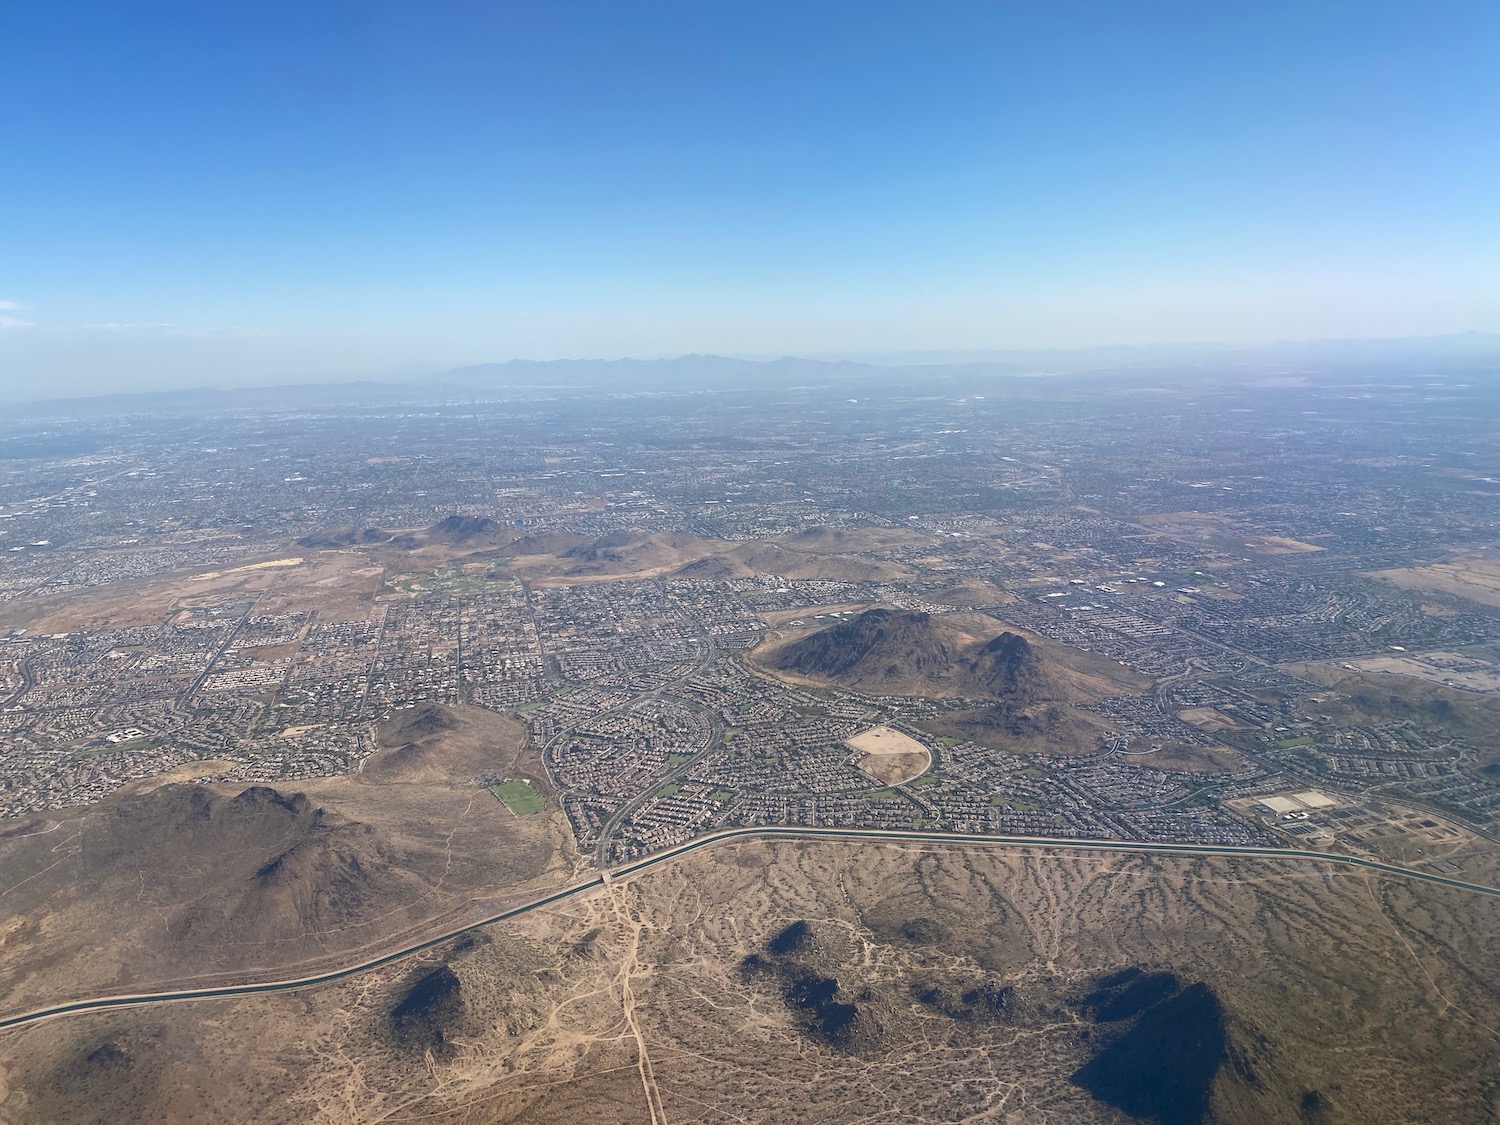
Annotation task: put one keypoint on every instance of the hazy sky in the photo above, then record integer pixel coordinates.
(213, 192)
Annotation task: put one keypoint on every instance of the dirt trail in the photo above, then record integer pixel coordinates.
(629, 965)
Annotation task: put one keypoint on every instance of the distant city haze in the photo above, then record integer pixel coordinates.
(223, 196)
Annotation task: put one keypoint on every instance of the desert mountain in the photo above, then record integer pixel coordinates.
(971, 593)
(819, 538)
(1109, 988)
(626, 546)
(833, 554)
(333, 872)
(1030, 683)
(180, 880)
(282, 867)
(469, 531)
(544, 543)
(438, 744)
(836, 554)
(618, 553)
(335, 537)
(764, 557)
(890, 651)
(823, 538)
(1046, 727)
(714, 568)
(1174, 1052)
(177, 880)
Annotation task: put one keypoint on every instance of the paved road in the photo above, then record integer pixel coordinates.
(626, 870)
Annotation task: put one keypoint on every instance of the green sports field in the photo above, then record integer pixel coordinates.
(519, 797)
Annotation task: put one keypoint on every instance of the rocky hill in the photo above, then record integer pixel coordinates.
(468, 531)
(335, 538)
(543, 543)
(891, 651)
(164, 883)
(630, 552)
(283, 868)
(438, 744)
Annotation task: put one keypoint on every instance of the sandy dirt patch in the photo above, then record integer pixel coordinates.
(1279, 545)
(270, 564)
(889, 756)
(1207, 718)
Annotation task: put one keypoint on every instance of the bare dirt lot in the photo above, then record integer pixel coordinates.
(1279, 545)
(1207, 718)
(890, 757)
(1451, 668)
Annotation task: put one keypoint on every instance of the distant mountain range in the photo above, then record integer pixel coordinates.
(1471, 352)
(688, 371)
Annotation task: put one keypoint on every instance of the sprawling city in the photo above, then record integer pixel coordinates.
(510, 695)
(848, 562)
(1261, 613)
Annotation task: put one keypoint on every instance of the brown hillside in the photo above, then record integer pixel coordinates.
(291, 869)
(972, 593)
(715, 568)
(802, 982)
(1039, 728)
(469, 531)
(770, 558)
(436, 743)
(842, 539)
(335, 538)
(901, 652)
(170, 883)
(543, 543)
(819, 553)
(631, 551)
(616, 555)
(269, 870)
(761, 557)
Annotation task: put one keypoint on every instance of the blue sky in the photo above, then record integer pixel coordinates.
(196, 193)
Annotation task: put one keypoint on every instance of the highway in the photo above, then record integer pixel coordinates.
(108, 1003)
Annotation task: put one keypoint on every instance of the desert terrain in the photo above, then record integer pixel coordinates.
(167, 885)
(1475, 576)
(833, 982)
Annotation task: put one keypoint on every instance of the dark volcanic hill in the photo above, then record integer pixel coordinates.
(906, 652)
(1163, 1068)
